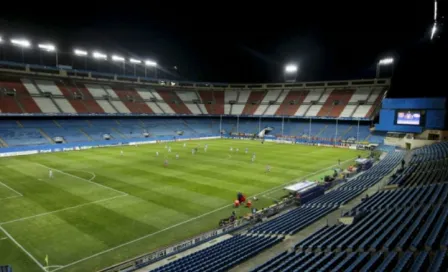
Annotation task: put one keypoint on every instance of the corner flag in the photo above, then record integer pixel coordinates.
(46, 259)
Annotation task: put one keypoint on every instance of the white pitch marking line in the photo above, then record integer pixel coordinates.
(52, 266)
(11, 188)
(94, 176)
(61, 210)
(271, 198)
(23, 249)
(76, 170)
(181, 223)
(73, 176)
(9, 197)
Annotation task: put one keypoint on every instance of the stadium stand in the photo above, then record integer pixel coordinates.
(401, 229)
(30, 95)
(80, 129)
(222, 256)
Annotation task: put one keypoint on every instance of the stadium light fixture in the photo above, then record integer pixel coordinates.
(150, 63)
(1, 40)
(79, 52)
(120, 59)
(98, 55)
(47, 47)
(117, 58)
(135, 61)
(21, 42)
(291, 68)
(383, 62)
(433, 31)
(386, 61)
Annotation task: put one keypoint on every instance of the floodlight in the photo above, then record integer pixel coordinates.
(135, 60)
(386, 61)
(291, 68)
(79, 52)
(47, 47)
(150, 63)
(21, 42)
(98, 55)
(117, 58)
(433, 31)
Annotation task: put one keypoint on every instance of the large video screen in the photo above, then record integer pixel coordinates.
(409, 118)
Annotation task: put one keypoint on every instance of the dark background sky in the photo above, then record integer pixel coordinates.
(248, 41)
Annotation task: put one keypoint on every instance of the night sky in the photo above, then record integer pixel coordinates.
(246, 41)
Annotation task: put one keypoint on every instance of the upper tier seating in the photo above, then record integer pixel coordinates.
(70, 96)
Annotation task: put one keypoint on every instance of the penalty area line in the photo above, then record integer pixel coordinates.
(9, 197)
(86, 180)
(10, 188)
(23, 249)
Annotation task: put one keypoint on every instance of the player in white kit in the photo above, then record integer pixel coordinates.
(169, 149)
(50, 173)
(237, 149)
(157, 153)
(121, 153)
(247, 150)
(177, 156)
(231, 149)
(268, 168)
(185, 144)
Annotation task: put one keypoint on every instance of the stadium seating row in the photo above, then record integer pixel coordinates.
(41, 131)
(406, 197)
(30, 95)
(343, 261)
(428, 165)
(222, 256)
(402, 229)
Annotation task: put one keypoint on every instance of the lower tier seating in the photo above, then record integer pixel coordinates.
(355, 261)
(222, 256)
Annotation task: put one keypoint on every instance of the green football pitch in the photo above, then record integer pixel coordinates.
(101, 207)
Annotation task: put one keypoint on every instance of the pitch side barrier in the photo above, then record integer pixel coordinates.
(37, 149)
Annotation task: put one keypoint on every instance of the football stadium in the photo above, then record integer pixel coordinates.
(125, 170)
(123, 174)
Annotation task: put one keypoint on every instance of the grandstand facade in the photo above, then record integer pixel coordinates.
(321, 111)
(63, 93)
